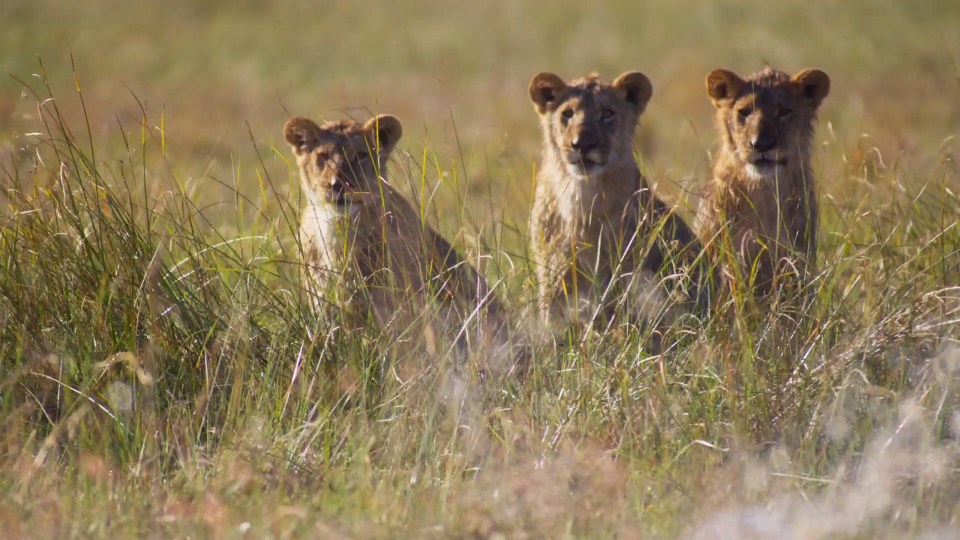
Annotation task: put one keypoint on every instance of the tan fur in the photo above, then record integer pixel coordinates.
(762, 200)
(594, 215)
(365, 248)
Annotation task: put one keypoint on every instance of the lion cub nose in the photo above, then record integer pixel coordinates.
(585, 141)
(763, 143)
(337, 186)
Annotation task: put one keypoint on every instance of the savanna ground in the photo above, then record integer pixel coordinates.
(161, 376)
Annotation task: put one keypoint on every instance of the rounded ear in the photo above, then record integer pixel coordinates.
(723, 84)
(545, 88)
(387, 130)
(636, 89)
(302, 133)
(814, 85)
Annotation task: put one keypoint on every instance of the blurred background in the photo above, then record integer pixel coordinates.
(230, 413)
(218, 80)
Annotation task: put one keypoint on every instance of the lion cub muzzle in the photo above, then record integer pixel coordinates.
(340, 195)
(343, 188)
(585, 150)
(585, 139)
(764, 153)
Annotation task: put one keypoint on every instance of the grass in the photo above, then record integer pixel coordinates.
(161, 375)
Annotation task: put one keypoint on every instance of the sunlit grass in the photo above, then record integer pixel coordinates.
(163, 375)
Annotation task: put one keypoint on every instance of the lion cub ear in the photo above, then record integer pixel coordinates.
(814, 85)
(387, 131)
(545, 89)
(723, 85)
(302, 134)
(635, 88)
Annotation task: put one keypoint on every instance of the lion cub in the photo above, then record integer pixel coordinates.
(600, 237)
(364, 246)
(762, 201)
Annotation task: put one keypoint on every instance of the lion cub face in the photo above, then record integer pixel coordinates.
(341, 162)
(766, 120)
(589, 124)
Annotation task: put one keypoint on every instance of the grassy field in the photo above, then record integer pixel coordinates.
(161, 375)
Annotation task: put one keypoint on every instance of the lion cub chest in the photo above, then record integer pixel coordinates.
(576, 224)
(369, 246)
(328, 237)
(586, 243)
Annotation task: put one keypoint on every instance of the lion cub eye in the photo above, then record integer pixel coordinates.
(607, 115)
(322, 159)
(784, 113)
(566, 115)
(744, 113)
(362, 156)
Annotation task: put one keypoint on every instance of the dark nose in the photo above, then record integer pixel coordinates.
(585, 141)
(337, 186)
(764, 142)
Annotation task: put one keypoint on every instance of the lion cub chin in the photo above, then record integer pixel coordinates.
(366, 251)
(602, 242)
(760, 209)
